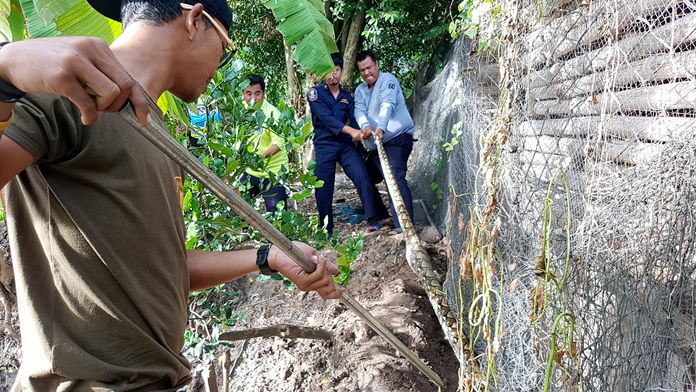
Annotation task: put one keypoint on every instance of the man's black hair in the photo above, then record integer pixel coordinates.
(256, 79)
(152, 11)
(365, 54)
(337, 59)
(155, 11)
(164, 11)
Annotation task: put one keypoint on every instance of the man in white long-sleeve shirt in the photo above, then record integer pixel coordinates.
(380, 109)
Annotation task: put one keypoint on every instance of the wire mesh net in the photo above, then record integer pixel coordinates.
(592, 283)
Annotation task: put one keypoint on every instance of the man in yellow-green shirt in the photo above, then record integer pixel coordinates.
(269, 145)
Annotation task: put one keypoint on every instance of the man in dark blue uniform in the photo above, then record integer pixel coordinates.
(335, 131)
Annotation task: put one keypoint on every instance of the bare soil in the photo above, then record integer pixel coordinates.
(356, 359)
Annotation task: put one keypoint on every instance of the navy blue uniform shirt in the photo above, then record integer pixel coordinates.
(330, 115)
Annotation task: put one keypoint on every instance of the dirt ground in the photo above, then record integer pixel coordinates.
(356, 358)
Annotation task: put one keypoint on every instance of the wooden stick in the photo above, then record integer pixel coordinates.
(160, 138)
(427, 214)
(281, 330)
(210, 377)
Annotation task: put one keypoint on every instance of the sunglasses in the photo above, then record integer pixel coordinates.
(229, 50)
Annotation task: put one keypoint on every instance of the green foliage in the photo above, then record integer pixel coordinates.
(304, 25)
(67, 17)
(260, 46)
(476, 17)
(211, 313)
(404, 33)
(348, 253)
(5, 30)
(15, 21)
(457, 132)
(211, 225)
(439, 194)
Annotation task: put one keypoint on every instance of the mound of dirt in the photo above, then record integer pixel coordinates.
(356, 359)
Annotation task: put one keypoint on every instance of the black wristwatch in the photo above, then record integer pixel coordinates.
(8, 92)
(262, 260)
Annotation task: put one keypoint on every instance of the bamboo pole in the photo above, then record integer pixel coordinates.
(159, 136)
(571, 147)
(627, 153)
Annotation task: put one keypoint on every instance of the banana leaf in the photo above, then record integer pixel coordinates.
(49, 10)
(5, 31)
(174, 107)
(304, 25)
(16, 21)
(83, 20)
(36, 28)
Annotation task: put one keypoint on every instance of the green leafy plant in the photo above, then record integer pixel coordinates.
(457, 132)
(348, 253)
(211, 312)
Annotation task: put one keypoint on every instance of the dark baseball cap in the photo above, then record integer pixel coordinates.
(219, 9)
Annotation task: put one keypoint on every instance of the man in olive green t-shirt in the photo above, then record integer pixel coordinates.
(94, 210)
(269, 145)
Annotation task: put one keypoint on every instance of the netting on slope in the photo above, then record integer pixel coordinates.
(593, 278)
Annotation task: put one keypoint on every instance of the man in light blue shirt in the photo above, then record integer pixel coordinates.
(380, 110)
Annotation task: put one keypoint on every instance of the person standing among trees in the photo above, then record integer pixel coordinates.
(335, 134)
(93, 208)
(380, 109)
(268, 144)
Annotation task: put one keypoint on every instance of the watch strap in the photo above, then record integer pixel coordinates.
(262, 260)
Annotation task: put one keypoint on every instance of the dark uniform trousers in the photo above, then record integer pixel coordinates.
(272, 195)
(398, 150)
(348, 156)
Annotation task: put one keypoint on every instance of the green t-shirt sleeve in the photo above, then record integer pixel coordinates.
(47, 126)
(277, 140)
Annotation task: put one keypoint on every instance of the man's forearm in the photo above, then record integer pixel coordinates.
(272, 150)
(209, 269)
(348, 130)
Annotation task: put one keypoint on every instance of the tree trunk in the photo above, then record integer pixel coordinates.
(293, 81)
(343, 33)
(352, 42)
